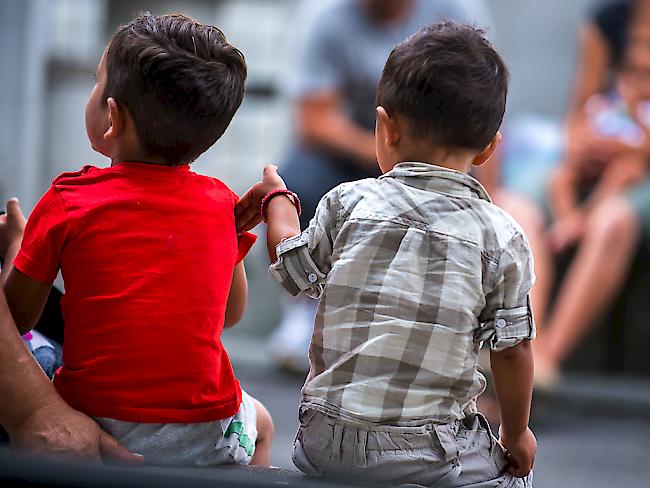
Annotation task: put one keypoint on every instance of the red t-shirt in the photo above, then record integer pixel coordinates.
(147, 254)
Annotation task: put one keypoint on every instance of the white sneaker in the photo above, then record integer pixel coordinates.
(289, 343)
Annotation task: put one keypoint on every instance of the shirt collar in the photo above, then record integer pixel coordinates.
(430, 177)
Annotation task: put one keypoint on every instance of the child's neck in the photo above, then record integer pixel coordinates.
(456, 159)
(137, 157)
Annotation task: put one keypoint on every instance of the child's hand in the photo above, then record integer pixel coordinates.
(247, 210)
(12, 227)
(520, 452)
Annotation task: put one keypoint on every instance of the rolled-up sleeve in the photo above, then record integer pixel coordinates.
(507, 318)
(305, 260)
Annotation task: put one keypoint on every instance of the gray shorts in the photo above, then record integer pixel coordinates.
(461, 453)
(204, 444)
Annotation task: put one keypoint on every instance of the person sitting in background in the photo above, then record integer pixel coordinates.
(608, 235)
(149, 253)
(414, 271)
(606, 153)
(339, 49)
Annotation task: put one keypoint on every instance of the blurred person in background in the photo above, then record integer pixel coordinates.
(598, 200)
(340, 48)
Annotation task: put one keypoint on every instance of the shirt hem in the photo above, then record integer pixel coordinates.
(340, 413)
(159, 415)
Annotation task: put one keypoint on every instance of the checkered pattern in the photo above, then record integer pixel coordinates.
(414, 271)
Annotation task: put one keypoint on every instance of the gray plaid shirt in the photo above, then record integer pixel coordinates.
(414, 271)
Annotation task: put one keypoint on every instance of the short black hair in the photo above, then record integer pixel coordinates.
(449, 83)
(180, 81)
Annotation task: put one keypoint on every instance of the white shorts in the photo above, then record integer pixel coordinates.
(227, 441)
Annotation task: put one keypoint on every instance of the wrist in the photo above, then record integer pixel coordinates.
(282, 192)
(34, 413)
(511, 435)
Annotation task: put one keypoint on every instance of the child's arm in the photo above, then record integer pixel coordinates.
(301, 261)
(569, 217)
(282, 223)
(509, 328)
(512, 370)
(26, 299)
(35, 266)
(237, 298)
(562, 191)
(282, 218)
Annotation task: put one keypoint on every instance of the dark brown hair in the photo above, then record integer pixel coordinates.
(449, 84)
(180, 81)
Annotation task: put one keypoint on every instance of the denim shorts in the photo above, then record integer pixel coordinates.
(459, 453)
(47, 353)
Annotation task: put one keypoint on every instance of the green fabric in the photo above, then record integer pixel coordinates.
(245, 442)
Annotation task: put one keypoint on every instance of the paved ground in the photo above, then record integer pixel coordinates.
(585, 439)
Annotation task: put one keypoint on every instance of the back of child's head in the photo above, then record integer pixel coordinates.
(180, 81)
(449, 84)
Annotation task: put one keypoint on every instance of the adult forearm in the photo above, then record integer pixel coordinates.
(282, 223)
(10, 255)
(24, 386)
(512, 371)
(335, 130)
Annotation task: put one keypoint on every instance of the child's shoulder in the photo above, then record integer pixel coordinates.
(71, 176)
(502, 226)
(211, 181)
(357, 187)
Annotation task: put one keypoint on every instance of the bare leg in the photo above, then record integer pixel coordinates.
(593, 280)
(265, 432)
(532, 221)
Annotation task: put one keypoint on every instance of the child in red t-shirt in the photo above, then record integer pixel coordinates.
(150, 257)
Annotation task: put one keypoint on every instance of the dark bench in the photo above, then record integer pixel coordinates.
(21, 470)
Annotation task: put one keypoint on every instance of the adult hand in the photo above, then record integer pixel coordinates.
(12, 227)
(247, 210)
(520, 452)
(57, 430)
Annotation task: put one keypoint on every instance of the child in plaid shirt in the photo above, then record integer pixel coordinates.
(414, 271)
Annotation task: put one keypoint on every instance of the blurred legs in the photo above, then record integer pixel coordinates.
(593, 280)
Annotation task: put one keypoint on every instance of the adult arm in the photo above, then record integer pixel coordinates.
(35, 416)
(594, 59)
(317, 82)
(12, 227)
(321, 121)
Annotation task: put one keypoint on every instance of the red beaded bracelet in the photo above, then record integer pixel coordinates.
(280, 191)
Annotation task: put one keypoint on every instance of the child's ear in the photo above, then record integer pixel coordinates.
(115, 120)
(387, 128)
(487, 153)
